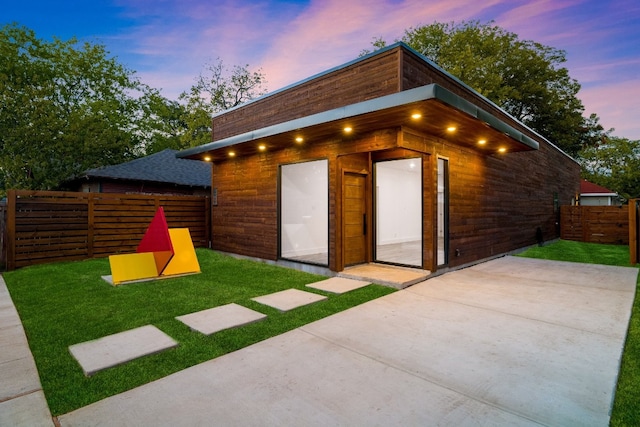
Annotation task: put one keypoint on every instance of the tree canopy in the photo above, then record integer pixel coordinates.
(64, 107)
(614, 164)
(216, 90)
(523, 77)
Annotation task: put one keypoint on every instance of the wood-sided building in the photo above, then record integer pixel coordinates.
(386, 159)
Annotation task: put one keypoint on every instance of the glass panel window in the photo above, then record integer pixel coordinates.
(399, 211)
(304, 212)
(443, 211)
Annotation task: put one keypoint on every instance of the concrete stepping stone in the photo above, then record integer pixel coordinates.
(338, 285)
(289, 299)
(219, 318)
(112, 350)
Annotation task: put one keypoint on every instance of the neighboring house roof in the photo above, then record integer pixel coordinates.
(590, 189)
(163, 167)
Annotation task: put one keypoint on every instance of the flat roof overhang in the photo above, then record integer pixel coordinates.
(439, 110)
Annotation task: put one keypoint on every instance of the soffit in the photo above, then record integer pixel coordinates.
(438, 107)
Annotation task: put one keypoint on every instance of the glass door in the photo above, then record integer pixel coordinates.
(398, 212)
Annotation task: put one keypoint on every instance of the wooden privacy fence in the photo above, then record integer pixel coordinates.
(595, 224)
(634, 230)
(3, 234)
(48, 226)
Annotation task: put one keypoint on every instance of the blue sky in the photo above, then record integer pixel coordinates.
(168, 42)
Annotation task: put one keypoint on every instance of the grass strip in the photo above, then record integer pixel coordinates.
(61, 304)
(626, 410)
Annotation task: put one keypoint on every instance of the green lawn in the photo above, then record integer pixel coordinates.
(626, 407)
(62, 304)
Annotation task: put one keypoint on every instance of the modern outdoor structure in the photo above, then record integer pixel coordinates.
(384, 159)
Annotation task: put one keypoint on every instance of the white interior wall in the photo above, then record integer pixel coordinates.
(399, 201)
(305, 208)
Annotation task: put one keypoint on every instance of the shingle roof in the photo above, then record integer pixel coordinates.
(159, 167)
(587, 187)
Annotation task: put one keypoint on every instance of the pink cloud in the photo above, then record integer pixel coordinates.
(617, 106)
(291, 41)
(329, 33)
(534, 16)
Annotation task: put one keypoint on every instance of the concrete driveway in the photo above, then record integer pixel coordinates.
(513, 341)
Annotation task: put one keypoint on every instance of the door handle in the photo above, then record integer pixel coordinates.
(364, 224)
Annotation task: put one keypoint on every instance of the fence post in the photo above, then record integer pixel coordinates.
(634, 231)
(11, 230)
(90, 223)
(207, 221)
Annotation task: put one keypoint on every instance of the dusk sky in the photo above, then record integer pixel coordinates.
(167, 42)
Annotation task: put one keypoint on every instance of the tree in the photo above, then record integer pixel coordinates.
(523, 77)
(218, 90)
(64, 108)
(614, 164)
(162, 123)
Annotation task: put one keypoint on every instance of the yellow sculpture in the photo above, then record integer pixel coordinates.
(162, 252)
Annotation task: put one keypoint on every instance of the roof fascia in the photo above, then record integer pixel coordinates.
(419, 55)
(423, 93)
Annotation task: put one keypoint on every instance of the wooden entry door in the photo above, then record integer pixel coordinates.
(354, 218)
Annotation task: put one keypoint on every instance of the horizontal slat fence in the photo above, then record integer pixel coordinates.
(49, 226)
(595, 224)
(3, 234)
(634, 231)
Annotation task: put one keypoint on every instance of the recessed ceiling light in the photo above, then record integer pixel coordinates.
(232, 153)
(347, 129)
(299, 139)
(502, 150)
(262, 147)
(207, 158)
(482, 141)
(416, 116)
(451, 129)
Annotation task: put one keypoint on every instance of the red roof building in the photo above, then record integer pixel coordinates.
(595, 195)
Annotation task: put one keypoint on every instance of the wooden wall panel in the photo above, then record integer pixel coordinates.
(497, 202)
(365, 80)
(245, 221)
